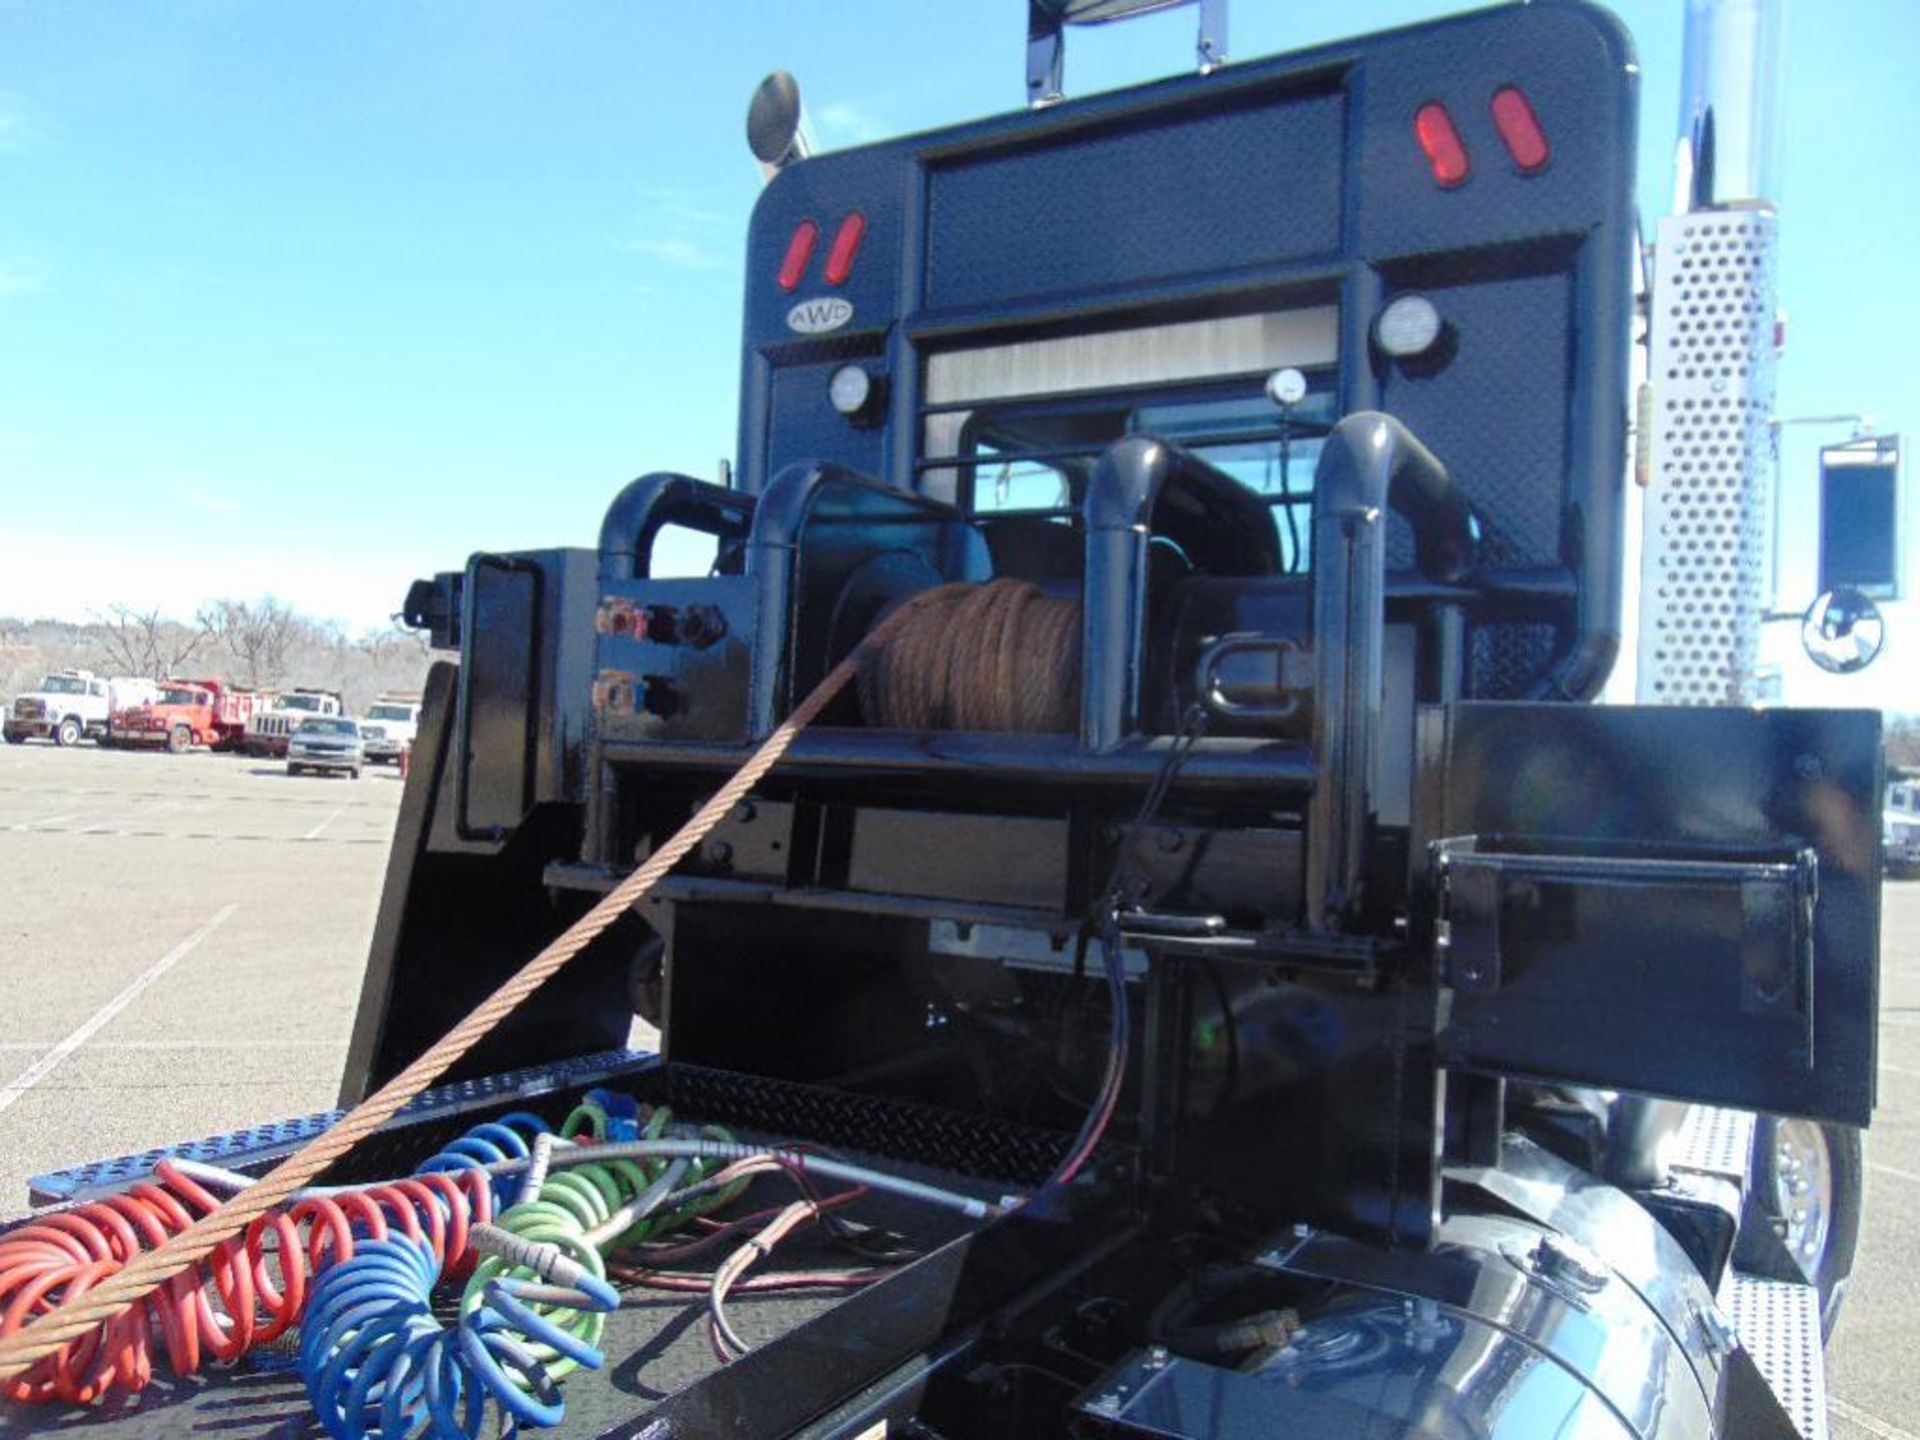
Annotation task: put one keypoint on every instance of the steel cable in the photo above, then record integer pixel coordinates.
(116, 1293)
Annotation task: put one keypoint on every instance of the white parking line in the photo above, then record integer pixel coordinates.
(314, 833)
(1894, 1170)
(35, 1046)
(32, 824)
(1868, 1421)
(49, 1062)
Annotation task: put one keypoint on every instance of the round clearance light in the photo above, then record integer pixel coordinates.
(1409, 326)
(1286, 388)
(855, 392)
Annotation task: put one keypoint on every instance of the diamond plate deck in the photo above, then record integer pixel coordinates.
(274, 1141)
(1779, 1323)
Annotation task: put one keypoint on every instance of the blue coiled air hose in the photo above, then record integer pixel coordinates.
(489, 1144)
(379, 1366)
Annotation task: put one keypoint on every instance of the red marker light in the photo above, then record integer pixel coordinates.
(793, 269)
(1520, 130)
(846, 245)
(1433, 127)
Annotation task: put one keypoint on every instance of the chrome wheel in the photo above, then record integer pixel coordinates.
(1803, 1193)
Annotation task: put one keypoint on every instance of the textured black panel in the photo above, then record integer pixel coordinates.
(1509, 658)
(1510, 349)
(1140, 203)
(923, 1134)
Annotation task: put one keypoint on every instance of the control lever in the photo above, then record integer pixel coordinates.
(1168, 925)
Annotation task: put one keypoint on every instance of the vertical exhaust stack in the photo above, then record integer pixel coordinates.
(1707, 514)
(1730, 92)
(777, 130)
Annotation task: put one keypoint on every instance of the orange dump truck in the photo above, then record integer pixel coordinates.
(186, 713)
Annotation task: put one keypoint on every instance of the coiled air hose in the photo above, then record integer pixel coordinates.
(103, 1307)
(254, 1288)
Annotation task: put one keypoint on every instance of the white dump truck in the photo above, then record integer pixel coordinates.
(71, 705)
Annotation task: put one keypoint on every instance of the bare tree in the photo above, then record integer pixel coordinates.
(1903, 740)
(390, 643)
(145, 642)
(257, 635)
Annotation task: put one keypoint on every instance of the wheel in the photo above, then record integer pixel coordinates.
(16, 737)
(179, 740)
(1808, 1184)
(292, 769)
(354, 773)
(103, 740)
(67, 732)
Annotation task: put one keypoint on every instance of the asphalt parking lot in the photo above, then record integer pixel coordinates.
(199, 922)
(181, 943)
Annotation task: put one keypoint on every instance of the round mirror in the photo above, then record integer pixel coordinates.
(1843, 631)
(776, 124)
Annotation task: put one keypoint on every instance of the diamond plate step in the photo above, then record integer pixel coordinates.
(1779, 1323)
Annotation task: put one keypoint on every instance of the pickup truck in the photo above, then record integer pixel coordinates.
(388, 728)
(1900, 828)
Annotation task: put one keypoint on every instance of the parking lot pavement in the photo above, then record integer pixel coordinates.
(181, 944)
(1870, 1369)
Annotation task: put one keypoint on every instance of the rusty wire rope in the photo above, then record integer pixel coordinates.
(1000, 656)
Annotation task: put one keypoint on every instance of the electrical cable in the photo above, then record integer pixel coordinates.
(1106, 917)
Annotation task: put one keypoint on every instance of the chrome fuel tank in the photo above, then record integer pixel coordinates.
(1504, 1330)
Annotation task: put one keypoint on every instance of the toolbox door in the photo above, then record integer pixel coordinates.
(1679, 902)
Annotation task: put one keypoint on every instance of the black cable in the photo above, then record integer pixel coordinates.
(1106, 917)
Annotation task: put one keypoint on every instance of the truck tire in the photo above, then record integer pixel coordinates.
(179, 740)
(1809, 1182)
(354, 773)
(67, 733)
(16, 737)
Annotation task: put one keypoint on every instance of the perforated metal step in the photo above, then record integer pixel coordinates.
(1779, 1323)
(1714, 1141)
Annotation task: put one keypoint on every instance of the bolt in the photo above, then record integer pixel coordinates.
(745, 812)
(1157, 1357)
(1170, 842)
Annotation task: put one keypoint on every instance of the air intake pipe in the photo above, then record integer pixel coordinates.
(1370, 462)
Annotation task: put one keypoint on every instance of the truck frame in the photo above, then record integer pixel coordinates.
(1461, 1044)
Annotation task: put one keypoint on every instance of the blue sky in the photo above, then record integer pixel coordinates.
(318, 298)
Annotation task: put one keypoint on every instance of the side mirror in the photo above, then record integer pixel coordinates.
(1842, 632)
(777, 125)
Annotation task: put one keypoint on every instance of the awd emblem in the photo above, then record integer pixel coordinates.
(817, 317)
